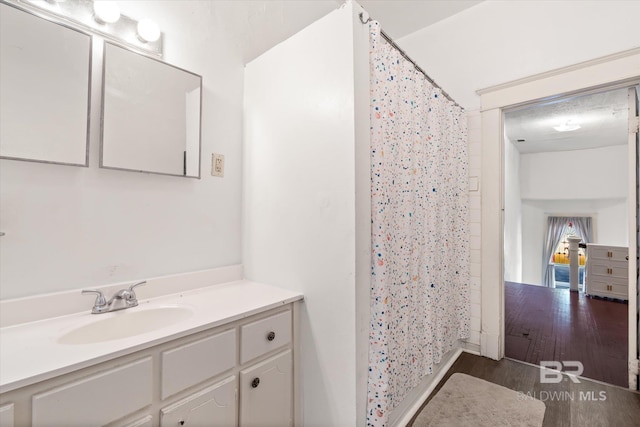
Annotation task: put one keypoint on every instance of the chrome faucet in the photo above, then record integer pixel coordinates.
(124, 298)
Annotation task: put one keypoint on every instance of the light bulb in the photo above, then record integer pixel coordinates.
(148, 31)
(106, 12)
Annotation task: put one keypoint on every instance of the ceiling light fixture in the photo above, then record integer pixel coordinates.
(106, 12)
(101, 17)
(567, 127)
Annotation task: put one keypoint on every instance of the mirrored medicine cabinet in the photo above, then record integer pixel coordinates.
(45, 77)
(151, 110)
(150, 115)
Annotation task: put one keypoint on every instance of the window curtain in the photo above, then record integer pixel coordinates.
(556, 227)
(582, 226)
(420, 239)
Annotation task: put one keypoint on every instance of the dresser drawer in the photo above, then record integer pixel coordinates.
(613, 288)
(618, 270)
(610, 253)
(264, 335)
(192, 363)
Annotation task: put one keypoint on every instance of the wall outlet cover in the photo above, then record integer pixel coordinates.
(217, 165)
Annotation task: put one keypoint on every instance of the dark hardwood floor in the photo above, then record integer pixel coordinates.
(558, 325)
(586, 404)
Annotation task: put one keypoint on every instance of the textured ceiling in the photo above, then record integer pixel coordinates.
(602, 117)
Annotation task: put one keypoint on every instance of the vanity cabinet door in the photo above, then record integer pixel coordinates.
(213, 406)
(266, 393)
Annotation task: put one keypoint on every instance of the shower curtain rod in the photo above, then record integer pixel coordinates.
(405, 56)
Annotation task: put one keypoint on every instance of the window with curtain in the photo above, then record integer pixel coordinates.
(558, 228)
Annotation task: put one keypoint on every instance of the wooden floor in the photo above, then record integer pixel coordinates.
(559, 325)
(587, 404)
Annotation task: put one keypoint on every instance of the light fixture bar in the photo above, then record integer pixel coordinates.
(80, 14)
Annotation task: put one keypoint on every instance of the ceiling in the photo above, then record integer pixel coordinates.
(399, 18)
(270, 22)
(602, 118)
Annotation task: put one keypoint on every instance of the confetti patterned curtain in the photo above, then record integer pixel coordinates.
(420, 245)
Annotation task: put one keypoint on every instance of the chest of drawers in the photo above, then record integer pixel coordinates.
(607, 271)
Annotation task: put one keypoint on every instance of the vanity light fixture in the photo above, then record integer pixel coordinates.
(101, 17)
(106, 12)
(567, 127)
(148, 31)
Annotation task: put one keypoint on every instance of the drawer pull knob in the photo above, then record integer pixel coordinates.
(255, 382)
(271, 336)
(181, 422)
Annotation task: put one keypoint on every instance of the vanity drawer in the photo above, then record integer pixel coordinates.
(213, 406)
(264, 335)
(98, 399)
(192, 363)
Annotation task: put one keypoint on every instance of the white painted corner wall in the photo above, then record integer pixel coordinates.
(306, 202)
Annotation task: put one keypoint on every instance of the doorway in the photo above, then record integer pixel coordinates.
(615, 70)
(565, 174)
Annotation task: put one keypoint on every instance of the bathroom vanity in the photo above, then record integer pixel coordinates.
(223, 356)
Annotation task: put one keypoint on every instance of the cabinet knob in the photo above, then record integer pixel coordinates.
(181, 422)
(255, 382)
(271, 336)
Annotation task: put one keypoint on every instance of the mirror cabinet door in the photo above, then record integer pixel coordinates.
(44, 85)
(150, 115)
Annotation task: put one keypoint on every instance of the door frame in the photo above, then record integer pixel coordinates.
(618, 70)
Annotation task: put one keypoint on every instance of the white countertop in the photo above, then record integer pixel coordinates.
(30, 353)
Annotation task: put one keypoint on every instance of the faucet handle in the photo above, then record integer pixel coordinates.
(135, 285)
(100, 305)
(132, 299)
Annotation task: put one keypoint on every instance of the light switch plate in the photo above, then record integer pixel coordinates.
(474, 183)
(217, 165)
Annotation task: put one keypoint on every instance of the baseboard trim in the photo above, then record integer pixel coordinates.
(434, 380)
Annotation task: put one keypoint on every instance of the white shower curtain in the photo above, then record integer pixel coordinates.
(420, 245)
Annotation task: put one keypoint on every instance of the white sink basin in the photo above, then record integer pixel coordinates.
(126, 323)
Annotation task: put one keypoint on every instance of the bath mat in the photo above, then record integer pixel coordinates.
(468, 401)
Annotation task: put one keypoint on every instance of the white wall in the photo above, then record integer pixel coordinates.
(303, 202)
(70, 227)
(598, 187)
(499, 41)
(512, 213)
(609, 218)
(599, 173)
